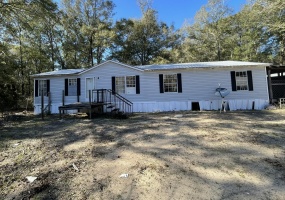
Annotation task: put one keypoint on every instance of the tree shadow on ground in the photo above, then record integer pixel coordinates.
(179, 151)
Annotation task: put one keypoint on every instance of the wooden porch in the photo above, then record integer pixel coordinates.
(89, 107)
(101, 101)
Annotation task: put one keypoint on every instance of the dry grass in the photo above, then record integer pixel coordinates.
(202, 155)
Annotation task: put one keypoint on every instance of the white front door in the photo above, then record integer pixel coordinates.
(89, 86)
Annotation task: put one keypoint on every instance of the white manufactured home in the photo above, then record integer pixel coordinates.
(155, 88)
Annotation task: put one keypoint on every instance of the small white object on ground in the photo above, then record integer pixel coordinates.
(31, 178)
(74, 166)
(178, 116)
(16, 144)
(124, 175)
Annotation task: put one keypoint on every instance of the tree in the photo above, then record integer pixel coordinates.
(271, 14)
(205, 39)
(139, 42)
(17, 23)
(249, 40)
(89, 24)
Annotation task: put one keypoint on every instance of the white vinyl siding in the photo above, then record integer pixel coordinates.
(198, 84)
(57, 87)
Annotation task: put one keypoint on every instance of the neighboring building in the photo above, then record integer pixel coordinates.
(154, 88)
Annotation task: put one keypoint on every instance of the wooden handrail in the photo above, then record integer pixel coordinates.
(106, 97)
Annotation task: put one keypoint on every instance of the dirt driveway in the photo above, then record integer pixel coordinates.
(185, 155)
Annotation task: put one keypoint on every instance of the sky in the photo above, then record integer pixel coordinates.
(169, 11)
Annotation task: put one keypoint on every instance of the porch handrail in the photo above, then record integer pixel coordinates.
(106, 97)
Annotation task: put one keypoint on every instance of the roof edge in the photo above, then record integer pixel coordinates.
(110, 61)
(53, 75)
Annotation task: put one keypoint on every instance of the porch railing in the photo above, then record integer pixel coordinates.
(112, 101)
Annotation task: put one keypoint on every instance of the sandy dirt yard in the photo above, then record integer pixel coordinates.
(174, 155)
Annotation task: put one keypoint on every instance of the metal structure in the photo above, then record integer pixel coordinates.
(222, 92)
(276, 83)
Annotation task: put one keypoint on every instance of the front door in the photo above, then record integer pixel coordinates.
(89, 87)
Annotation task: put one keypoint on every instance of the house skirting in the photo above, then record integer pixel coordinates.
(240, 104)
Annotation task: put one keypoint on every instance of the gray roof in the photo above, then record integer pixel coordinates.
(60, 72)
(214, 64)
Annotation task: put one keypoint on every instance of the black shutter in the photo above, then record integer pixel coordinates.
(36, 88)
(113, 84)
(233, 78)
(138, 84)
(161, 83)
(48, 86)
(249, 79)
(66, 87)
(78, 87)
(179, 81)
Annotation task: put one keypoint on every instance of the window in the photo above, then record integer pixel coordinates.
(120, 84)
(43, 87)
(72, 87)
(241, 80)
(72, 82)
(126, 85)
(131, 81)
(170, 83)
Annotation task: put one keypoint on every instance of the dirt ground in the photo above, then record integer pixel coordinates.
(174, 155)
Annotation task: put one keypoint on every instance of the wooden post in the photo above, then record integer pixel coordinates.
(42, 104)
(89, 97)
(63, 97)
(90, 107)
(49, 102)
(270, 86)
(63, 100)
(78, 110)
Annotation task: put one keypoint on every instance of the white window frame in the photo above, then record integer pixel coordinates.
(120, 84)
(72, 82)
(167, 83)
(131, 83)
(42, 87)
(126, 86)
(241, 80)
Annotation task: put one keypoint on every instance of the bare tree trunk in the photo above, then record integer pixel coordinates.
(21, 65)
(91, 51)
(282, 51)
